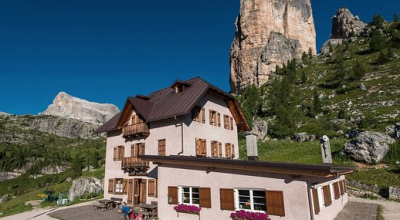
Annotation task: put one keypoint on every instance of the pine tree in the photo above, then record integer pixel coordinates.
(378, 41)
(395, 17)
(77, 166)
(303, 77)
(330, 47)
(378, 21)
(310, 54)
(383, 58)
(304, 57)
(358, 70)
(390, 53)
(317, 105)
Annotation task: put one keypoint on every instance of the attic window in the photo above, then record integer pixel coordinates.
(179, 88)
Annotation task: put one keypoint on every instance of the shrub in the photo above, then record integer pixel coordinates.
(246, 215)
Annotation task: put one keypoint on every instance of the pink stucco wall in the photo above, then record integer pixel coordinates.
(295, 191)
(171, 130)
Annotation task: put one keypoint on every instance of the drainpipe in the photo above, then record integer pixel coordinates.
(310, 203)
(181, 152)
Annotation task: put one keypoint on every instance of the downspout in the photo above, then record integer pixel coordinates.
(181, 152)
(310, 204)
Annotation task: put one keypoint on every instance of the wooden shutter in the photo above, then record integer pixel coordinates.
(151, 188)
(130, 191)
(203, 147)
(124, 186)
(155, 188)
(132, 150)
(219, 149)
(203, 115)
(233, 150)
(214, 148)
(173, 193)
(341, 188)
(227, 200)
(315, 201)
(110, 186)
(226, 150)
(210, 117)
(327, 195)
(143, 191)
(336, 190)
(121, 151)
(231, 123)
(142, 149)
(205, 197)
(226, 121)
(198, 148)
(275, 203)
(115, 153)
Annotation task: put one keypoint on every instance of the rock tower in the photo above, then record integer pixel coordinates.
(269, 33)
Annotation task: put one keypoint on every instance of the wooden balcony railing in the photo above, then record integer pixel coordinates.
(134, 164)
(140, 129)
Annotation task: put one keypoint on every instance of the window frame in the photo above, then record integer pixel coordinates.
(251, 196)
(162, 143)
(180, 197)
(117, 184)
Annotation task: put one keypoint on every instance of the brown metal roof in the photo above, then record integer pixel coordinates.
(259, 166)
(165, 103)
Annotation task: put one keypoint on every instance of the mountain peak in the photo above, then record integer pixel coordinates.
(68, 106)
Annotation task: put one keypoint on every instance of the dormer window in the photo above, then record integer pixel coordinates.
(179, 88)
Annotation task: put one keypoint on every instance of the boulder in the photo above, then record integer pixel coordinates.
(368, 147)
(4, 198)
(304, 137)
(85, 185)
(260, 129)
(397, 130)
(394, 193)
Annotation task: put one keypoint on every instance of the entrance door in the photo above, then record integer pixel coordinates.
(130, 191)
(143, 191)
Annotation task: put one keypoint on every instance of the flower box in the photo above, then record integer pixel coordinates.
(246, 215)
(189, 209)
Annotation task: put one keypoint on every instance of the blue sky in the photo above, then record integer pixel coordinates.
(104, 51)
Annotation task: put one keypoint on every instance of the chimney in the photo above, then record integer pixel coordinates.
(325, 150)
(251, 144)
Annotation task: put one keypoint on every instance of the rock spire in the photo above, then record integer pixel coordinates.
(269, 33)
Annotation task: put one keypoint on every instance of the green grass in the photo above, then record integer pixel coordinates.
(379, 212)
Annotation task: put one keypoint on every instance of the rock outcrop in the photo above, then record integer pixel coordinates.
(260, 129)
(369, 147)
(85, 185)
(269, 33)
(3, 113)
(67, 106)
(304, 137)
(344, 24)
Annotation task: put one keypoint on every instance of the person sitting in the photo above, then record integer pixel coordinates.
(127, 211)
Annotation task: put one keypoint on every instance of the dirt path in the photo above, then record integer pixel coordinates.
(391, 210)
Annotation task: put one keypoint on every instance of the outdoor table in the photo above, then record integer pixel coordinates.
(108, 203)
(149, 209)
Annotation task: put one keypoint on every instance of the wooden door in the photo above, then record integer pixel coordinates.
(143, 191)
(130, 191)
(136, 191)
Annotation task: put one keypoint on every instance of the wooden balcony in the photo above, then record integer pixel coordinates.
(134, 165)
(135, 130)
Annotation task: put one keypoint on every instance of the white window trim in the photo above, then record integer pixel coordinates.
(236, 198)
(180, 190)
(320, 198)
(119, 187)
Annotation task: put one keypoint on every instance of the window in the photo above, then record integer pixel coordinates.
(118, 186)
(216, 149)
(189, 195)
(179, 88)
(229, 150)
(201, 147)
(228, 122)
(199, 114)
(212, 116)
(161, 147)
(254, 200)
(137, 149)
(119, 153)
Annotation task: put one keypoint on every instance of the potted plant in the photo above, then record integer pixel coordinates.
(247, 215)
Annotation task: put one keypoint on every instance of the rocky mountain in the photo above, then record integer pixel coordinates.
(269, 33)
(67, 106)
(344, 24)
(3, 113)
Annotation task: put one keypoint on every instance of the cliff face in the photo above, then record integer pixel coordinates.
(67, 106)
(269, 33)
(344, 24)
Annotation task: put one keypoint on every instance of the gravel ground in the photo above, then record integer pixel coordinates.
(87, 213)
(391, 210)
